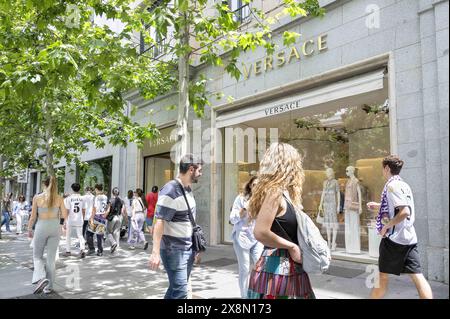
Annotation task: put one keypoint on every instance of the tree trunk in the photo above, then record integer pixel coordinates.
(1, 177)
(183, 95)
(49, 160)
(1, 190)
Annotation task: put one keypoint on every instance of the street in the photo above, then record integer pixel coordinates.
(126, 275)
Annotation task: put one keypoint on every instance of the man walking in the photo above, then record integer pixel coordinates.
(75, 212)
(172, 232)
(97, 222)
(88, 200)
(395, 223)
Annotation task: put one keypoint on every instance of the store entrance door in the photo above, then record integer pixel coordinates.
(159, 169)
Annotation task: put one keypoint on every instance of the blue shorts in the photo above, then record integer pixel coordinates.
(149, 221)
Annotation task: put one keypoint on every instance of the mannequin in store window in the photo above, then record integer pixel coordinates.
(353, 209)
(329, 205)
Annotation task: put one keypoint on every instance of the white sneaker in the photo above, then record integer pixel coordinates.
(41, 285)
(132, 247)
(47, 290)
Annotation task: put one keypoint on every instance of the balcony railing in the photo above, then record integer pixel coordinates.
(242, 14)
(155, 50)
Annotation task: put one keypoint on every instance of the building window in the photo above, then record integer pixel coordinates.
(155, 50)
(159, 47)
(240, 10)
(98, 171)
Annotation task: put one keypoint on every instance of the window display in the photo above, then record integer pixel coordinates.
(352, 209)
(159, 170)
(98, 171)
(342, 152)
(329, 206)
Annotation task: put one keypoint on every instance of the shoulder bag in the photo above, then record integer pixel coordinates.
(198, 238)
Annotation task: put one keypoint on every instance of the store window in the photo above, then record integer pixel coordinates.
(16, 188)
(159, 169)
(98, 171)
(342, 148)
(158, 166)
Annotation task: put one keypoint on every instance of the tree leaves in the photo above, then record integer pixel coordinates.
(69, 82)
(73, 78)
(289, 38)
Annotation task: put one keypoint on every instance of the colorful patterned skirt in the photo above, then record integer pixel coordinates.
(277, 276)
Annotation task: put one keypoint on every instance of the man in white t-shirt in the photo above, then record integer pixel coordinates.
(395, 222)
(88, 199)
(75, 217)
(97, 221)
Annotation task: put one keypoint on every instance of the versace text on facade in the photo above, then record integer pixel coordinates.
(282, 108)
(281, 58)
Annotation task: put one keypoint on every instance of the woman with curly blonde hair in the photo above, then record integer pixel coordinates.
(278, 274)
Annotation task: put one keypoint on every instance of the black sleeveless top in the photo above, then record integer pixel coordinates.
(286, 226)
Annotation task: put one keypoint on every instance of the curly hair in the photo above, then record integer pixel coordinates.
(280, 169)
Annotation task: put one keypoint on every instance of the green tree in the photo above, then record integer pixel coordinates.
(210, 31)
(64, 79)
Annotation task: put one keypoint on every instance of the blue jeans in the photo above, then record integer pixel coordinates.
(178, 265)
(6, 219)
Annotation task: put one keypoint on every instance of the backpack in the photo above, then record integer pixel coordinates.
(116, 208)
(316, 255)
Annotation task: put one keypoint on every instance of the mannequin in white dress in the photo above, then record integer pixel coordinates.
(352, 208)
(330, 202)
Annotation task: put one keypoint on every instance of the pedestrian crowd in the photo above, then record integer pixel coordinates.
(276, 244)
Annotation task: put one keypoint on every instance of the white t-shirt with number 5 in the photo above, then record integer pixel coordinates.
(75, 204)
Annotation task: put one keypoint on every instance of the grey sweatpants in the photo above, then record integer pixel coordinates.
(113, 230)
(46, 235)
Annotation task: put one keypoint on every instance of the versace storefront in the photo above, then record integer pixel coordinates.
(342, 130)
(347, 94)
(158, 166)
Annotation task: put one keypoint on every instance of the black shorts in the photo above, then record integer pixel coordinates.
(398, 259)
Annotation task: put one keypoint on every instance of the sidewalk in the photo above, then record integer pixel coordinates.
(126, 275)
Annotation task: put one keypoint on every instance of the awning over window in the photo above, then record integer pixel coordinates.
(351, 87)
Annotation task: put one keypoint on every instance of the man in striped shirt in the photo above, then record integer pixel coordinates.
(172, 233)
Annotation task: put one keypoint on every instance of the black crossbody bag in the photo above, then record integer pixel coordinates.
(198, 238)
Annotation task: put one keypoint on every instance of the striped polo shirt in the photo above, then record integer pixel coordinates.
(173, 210)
